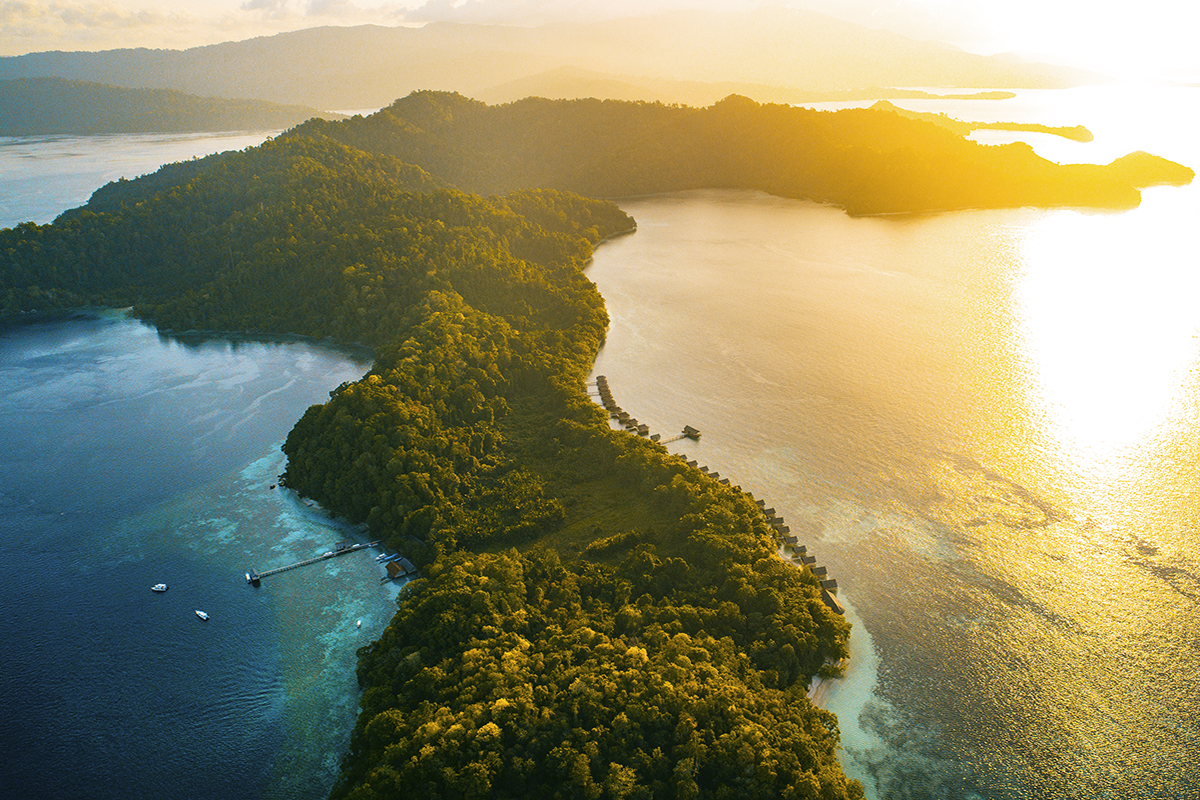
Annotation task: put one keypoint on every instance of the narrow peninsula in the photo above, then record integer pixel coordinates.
(595, 615)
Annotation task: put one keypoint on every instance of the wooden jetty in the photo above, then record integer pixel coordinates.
(628, 422)
(339, 549)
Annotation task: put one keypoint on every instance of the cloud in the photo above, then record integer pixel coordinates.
(274, 9)
(56, 15)
(339, 10)
(30, 26)
(535, 12)
(333, 8)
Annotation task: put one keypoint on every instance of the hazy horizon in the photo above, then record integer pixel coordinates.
(1154, 42)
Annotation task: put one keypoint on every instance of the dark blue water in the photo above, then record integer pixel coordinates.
(128, 458)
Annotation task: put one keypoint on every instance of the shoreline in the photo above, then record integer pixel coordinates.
(818, 688)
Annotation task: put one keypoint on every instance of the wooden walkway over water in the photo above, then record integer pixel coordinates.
(629, 423)
(339, 550)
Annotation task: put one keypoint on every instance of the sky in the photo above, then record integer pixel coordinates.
(1151, 38)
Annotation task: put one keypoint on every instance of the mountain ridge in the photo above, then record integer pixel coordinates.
(64, 106)
(369, 66)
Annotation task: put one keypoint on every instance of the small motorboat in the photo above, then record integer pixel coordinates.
(158, 587)
(202, 614)
(358, 624)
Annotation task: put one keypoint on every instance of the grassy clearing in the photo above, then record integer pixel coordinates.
(605, 516)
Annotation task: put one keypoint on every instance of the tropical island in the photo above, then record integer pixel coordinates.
(595, 617)
(47, 106)
(1076, 133)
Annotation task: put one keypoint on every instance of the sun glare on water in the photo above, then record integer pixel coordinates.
(1109, 326)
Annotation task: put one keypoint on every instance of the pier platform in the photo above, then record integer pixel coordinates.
(340, 549)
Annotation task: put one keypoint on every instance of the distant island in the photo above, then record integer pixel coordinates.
(1076, 133)
(595, 615)
(571, 83)
(52, 106)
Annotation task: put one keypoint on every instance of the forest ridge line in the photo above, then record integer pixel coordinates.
(867, 161)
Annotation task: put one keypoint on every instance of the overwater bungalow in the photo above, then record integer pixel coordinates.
(832, 602)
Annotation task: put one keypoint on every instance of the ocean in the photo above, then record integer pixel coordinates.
(131, 458)
(984, 423)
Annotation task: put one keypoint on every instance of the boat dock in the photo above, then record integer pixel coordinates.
(339, 549)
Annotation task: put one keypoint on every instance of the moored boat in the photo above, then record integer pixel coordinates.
(158, 587)
(202, 614)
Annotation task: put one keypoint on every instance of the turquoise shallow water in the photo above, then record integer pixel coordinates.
(131, 459)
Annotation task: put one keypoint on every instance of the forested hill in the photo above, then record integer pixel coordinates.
(594, 618)
(48, 106)
(865, 160)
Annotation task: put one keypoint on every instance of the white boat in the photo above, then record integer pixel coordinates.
(158, 587)
(358, 624)
(202, 614)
